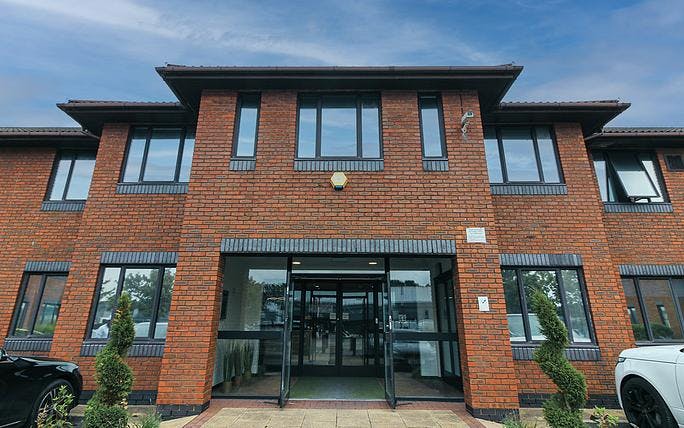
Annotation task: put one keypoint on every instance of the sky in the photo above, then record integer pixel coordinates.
(55, 50)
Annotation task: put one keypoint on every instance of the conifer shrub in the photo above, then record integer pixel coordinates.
(108, 406)
(564, 408)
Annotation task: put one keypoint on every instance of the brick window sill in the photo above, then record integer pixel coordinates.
(242, 164)
(529, 189)
(71, 206)
(660, 207)
(33, 344)
(150, 188)
(436, 165)
(140, 348)
(339, 165)
(523, 352)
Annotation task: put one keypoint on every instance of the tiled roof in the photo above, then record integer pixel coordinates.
(113, 103)
(560, 104)
(42, 130)
(643, 130)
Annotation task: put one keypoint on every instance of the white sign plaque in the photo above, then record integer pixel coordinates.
(476, 235)
(483, 303)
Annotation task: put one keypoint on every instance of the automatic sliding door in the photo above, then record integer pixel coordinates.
(388, 344)
(288, 297)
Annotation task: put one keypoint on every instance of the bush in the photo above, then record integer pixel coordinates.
(57, 416)
(514, 421)
(564, 408)
(108, 406)
(150, 420)
(603, 419)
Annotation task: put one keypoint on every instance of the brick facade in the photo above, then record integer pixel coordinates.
(402, 201)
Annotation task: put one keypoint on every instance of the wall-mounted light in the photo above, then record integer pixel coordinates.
(372, 263)
(338, 180)
(465, 120)
(296, 263)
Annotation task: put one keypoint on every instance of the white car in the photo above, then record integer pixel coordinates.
(650, 385)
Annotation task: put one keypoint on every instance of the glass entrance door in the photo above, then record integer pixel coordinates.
(388, 343)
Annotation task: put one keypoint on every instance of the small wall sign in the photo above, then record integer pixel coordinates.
(483, 303)
(476, 235)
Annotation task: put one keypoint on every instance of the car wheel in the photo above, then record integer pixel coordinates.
(46, 398)
(644, 407)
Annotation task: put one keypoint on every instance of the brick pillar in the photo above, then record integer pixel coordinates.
(489, 382)
(187, 366)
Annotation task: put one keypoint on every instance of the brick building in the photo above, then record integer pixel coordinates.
(252, 275)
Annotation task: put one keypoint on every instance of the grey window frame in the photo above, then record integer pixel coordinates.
(533, 136)
(442, 130)
(73, 155)
(644, 313)
(561, 290)
(119, 288)
(619, 187)
(359, 97)
(143, 162)
(236, 127)
(20, 300)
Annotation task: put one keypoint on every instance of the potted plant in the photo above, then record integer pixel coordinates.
(248, 354)
(237, 366)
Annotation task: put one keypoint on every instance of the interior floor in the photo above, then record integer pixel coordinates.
(338, 388)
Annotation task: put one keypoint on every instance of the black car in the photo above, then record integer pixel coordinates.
(27, 385)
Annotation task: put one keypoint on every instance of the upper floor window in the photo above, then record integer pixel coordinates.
(562, 286)
(36, 315)
(71, 176)
(339, 126)
(654, 306)
(150, 289)
(432, 126)
(159, 155)
(521, 155)
(247, 125)
(625, 176)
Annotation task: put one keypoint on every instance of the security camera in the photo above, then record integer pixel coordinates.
(465, 119)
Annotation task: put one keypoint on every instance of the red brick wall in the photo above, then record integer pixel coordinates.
(26, 232)
(274, 201)
(112, 222)
(571, 223)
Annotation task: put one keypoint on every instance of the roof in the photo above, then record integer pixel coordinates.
(592, 115)
(637, 136)
(93, 114)
(491, 82)
(45, 135)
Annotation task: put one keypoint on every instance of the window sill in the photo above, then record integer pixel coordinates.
(640, 344)
(33, 344)
(339, 165)
(62, 206)
(140, 348)
(242, 164)
(523, 352)
(528, 189)
(659, 207)
(150, 188)
(436, 165)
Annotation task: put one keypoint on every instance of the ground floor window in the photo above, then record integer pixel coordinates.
(37, 312)
(149, 288)
(563, 286)
(654, 306)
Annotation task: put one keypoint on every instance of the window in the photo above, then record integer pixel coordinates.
(71, 176)
(159, 155)
(521, 155)
(674, 162)
(628, 176)
(150, 289)
(432, 126)
(562, 286)
(339, 126)
(36, 315)
(654, 306)
(247, 125)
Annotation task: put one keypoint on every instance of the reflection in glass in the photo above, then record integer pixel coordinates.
(186, 161)
(59, 180)
(247, 367)
(81, 175)
(162, 155)
(516, 326)
(105, 303)
(431, 129)
(575, 303)
(338, 127)
(320, 327)
(370, 128)
(493, 156)
(634, 310)
(518, 146)
(50, 302)
(140, 284)
(164, 303)
(547, 155)
(247, 126)
(547, 282)
(660, 309)
(633, 177)
(134, 157)
(28, 305)
(418, 370)
(306, 138)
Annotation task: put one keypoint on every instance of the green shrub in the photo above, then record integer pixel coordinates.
(108, 406)
(149, 420)
(57, 415)
(514, 421)
(564, 408)
(603, 419)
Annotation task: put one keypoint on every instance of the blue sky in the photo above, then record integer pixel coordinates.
(54, 50)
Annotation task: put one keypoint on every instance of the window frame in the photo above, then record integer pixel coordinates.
(442, 129)
(73, 155)
(119, 288)
(612, 173)
(143, 161)
(566, 311)
(20, 300)
(644, 313)
(358, 96)
(236, 126)
(538, 161)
